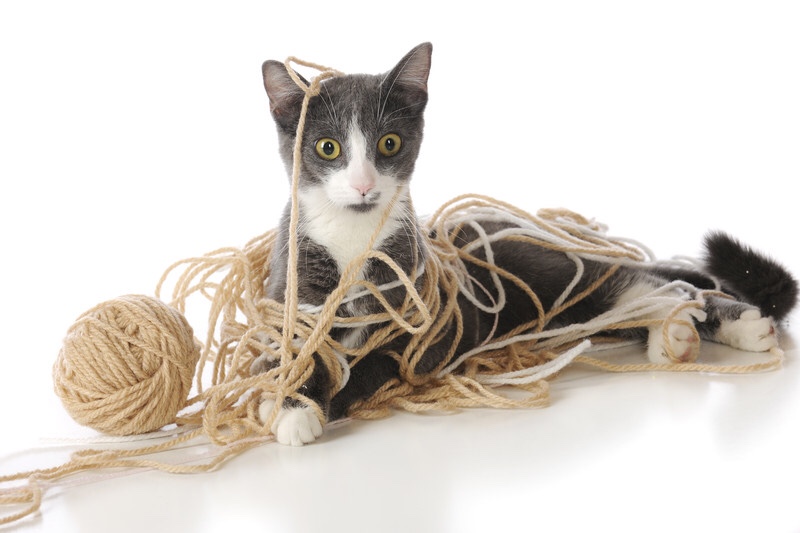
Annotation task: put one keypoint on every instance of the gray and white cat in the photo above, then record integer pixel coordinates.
(362, 137)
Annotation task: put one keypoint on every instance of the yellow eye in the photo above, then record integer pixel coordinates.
(389, 144)
(328, 149)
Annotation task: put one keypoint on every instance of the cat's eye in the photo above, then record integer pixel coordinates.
(328, 149)
(389, 144)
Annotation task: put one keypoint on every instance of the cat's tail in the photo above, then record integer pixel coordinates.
(750, 275)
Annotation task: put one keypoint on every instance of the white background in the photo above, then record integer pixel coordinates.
(136, 134)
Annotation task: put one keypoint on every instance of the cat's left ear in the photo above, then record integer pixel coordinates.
(412, 71)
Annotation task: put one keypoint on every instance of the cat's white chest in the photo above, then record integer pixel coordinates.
(344, 233)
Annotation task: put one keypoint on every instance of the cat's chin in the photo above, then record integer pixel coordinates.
(365, 205)
(362, 208)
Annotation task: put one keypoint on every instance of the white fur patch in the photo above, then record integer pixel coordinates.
(344, 232)
(354, 338)
(636, 291)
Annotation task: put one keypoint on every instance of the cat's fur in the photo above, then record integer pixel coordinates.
(341, 201)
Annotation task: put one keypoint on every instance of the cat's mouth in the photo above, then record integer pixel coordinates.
(366, 204)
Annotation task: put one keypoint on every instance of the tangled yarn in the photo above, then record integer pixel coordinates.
(126, 366)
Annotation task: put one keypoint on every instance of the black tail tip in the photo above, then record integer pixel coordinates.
(751, 275)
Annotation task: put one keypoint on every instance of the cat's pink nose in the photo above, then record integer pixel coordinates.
(364, 188)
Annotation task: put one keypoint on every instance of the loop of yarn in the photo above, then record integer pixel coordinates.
(126, 366)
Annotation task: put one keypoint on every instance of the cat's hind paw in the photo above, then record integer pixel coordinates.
(751, 332)
(294, 426)
(681, 345)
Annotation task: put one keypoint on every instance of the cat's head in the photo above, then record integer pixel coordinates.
(362, 132)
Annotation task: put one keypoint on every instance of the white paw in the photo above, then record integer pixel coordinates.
(683, 343)
(294, 426)
(750, 332)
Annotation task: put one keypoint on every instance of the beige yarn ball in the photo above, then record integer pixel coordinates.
(126, 366)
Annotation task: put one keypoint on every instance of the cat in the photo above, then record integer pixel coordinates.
(361, 141)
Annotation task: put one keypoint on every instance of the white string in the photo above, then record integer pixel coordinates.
(500, 300)
(579, 270)
(536, 373)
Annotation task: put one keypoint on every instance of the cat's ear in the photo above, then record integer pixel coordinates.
(285, 97)
(412, 71)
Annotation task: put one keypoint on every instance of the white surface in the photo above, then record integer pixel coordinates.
(134, 136)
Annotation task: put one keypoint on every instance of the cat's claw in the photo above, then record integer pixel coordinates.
(294, 426)
(751, 332)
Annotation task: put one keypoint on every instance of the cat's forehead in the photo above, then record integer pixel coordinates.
(345, 99)
(351, 83)
(370, 102)
(354, 93)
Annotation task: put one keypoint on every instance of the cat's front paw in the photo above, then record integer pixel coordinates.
(294, 426)
(681, 345)
(751, 332)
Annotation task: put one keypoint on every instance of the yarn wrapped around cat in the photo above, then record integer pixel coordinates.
(124, 361)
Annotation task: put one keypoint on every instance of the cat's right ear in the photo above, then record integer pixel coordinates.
(285, 97)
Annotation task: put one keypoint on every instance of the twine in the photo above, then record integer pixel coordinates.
(126, 366)
(243, 324)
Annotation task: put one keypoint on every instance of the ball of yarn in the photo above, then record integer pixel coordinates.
(126, 366)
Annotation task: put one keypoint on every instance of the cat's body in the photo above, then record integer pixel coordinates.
(361, 141)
